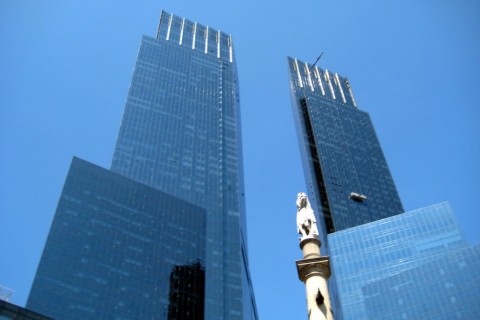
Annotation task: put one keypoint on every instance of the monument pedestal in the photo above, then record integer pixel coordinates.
(314, 270)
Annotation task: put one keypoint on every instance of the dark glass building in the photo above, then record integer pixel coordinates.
(180, 134)
(348, 179)
(112, 247)
(186, 296)
(180, 137)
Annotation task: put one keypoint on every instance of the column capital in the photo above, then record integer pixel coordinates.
(313, 267)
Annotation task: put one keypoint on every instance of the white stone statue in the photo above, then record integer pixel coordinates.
(306, 222)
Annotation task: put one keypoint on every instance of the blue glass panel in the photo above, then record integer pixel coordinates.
(413, 265)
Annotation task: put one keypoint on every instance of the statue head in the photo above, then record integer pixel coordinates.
(302, 200)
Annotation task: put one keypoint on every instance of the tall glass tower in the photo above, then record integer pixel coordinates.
(347, 175)
(385, 264)
(180, 135)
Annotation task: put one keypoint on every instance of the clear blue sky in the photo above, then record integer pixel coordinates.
(65, 69)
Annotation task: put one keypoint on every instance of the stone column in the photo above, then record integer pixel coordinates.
(314, 270)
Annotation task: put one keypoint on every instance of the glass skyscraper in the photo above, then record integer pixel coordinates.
(415, 265)
(385, 264)
(348, 179)
(180, 136)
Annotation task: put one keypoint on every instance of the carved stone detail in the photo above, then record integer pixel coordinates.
(313, 267)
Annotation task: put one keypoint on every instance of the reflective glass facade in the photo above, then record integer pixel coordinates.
(348, 179)
(415, 265)
(445, 288)
(111, 253)
(180, 134)
(112, 248)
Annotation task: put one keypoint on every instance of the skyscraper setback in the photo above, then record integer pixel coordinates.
(179, 140)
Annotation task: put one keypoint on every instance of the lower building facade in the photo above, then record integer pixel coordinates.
(445, 288)
(118, 249)
(415, 265)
